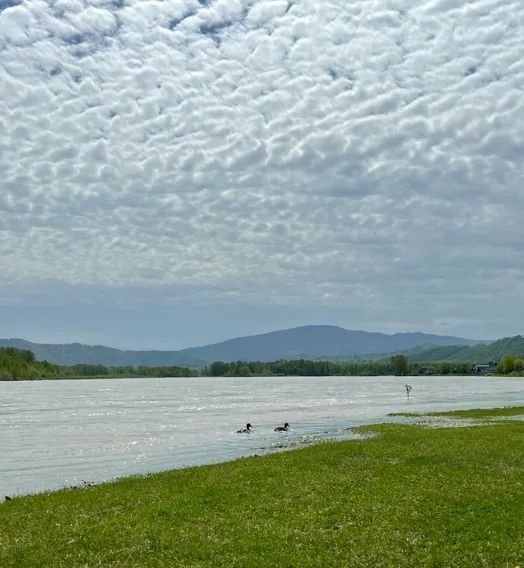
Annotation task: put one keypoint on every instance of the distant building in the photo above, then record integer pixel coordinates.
(482, 368)
(429, 370)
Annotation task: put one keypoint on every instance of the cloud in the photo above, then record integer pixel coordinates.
(366, 156)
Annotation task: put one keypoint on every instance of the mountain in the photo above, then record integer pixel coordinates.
(494, 351)
(314, 341)
(308, 342)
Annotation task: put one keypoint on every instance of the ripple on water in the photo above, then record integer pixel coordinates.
(56, 433)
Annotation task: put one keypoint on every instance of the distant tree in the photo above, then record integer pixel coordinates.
(27, 356)
(399, 365)
(507, 365)
(218, 369)
(445, 368)
(415, 369)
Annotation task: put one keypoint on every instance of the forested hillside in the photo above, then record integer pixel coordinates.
(19, 364)
(491, 352)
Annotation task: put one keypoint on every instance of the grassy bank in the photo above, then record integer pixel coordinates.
(480, 413)
(483, 413)
(408, 497)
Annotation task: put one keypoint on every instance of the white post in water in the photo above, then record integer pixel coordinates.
(408, 389)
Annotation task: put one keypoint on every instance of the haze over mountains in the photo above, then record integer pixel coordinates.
(308, 342)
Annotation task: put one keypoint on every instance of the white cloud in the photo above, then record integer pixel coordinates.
(364, 155)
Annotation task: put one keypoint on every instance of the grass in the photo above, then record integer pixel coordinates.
(483, 413)
(409, 497)
(474, 413)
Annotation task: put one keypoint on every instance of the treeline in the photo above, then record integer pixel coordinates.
(511, 366)
(85, 370)
(396, 365)
(19, 364)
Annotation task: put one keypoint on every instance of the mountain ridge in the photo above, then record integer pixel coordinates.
(311, 341)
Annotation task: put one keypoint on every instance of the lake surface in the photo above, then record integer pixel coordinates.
(61, 433)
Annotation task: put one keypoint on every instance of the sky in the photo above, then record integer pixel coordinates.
(178, 172)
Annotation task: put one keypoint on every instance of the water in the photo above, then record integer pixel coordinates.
(61, 433)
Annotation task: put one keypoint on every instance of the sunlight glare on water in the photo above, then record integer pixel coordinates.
(61, 433)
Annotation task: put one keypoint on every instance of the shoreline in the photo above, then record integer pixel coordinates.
(463, 418)
(127, 377)
(409, 496)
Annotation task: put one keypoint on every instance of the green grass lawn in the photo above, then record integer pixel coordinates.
(408, 497)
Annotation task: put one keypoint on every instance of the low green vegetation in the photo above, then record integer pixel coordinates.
(395, 365)
(298, 367)
(511, 365)
(483, 412)
(19, 364)
(408, 497)
(476, 413)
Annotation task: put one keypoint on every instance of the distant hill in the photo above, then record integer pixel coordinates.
(308, 342)
(77, 353)
(494, 351)
(315, 341)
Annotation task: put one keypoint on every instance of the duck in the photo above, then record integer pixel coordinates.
(245, 430)
(284, 428)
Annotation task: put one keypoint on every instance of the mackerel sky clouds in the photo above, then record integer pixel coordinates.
(181, 171)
